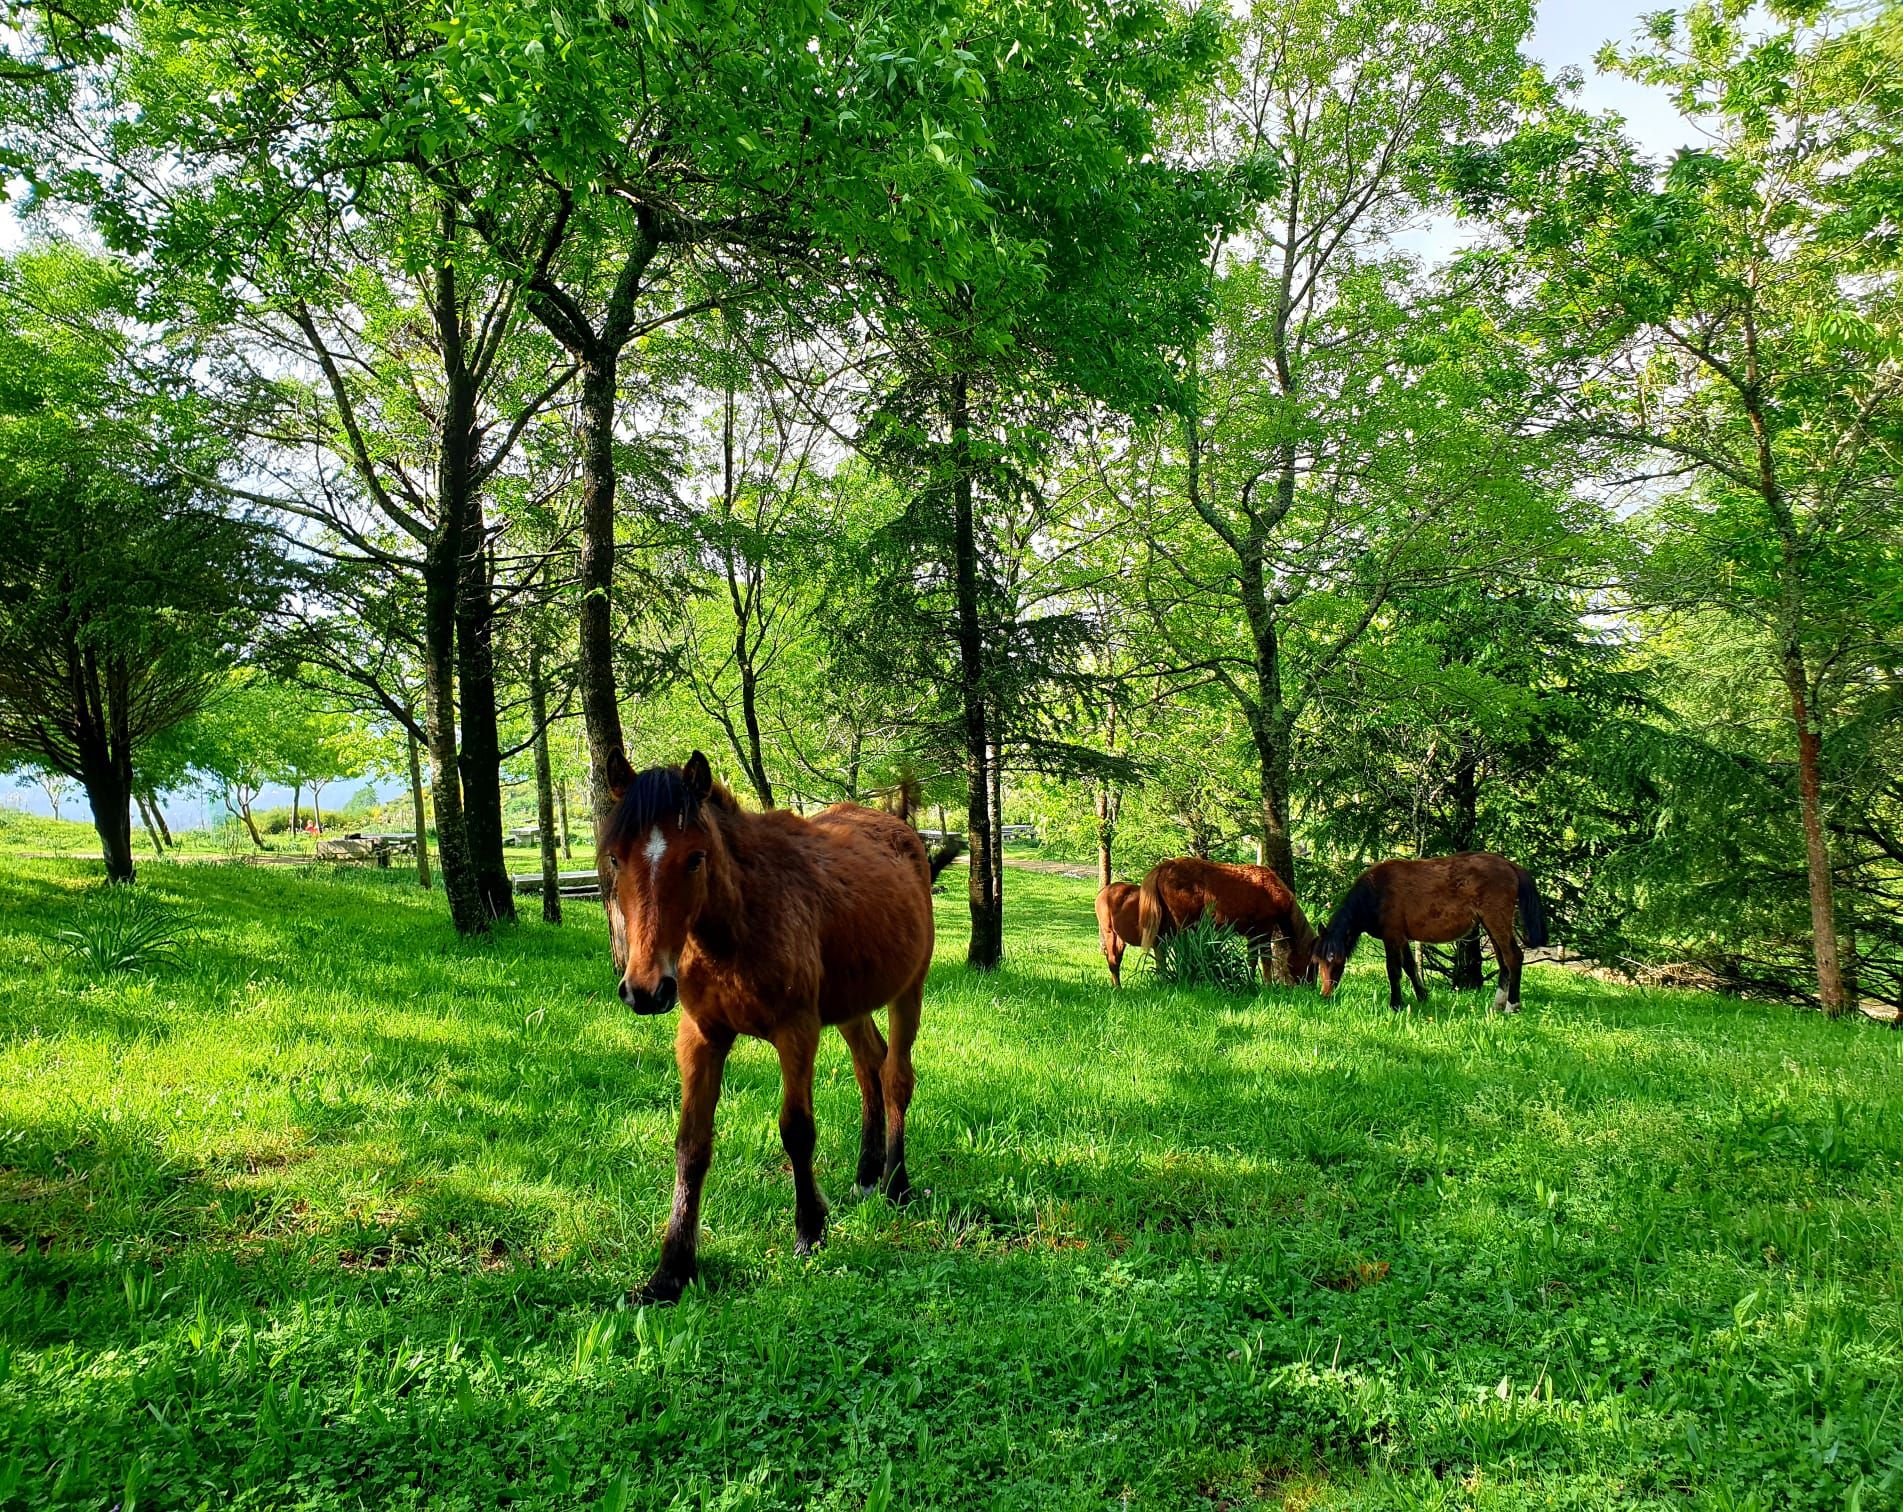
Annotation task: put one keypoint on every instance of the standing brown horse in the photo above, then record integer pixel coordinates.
(1435, 900)
(774, 926)
(1251, 900)
(1118, 926)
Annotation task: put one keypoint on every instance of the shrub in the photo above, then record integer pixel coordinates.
(1206, 954)
(120, 929)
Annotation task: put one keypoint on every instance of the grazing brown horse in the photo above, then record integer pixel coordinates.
(774, 926)
(1251, 900)
(1435, 900)
(1117, 925)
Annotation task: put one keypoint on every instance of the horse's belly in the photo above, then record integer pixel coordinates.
(868, 961)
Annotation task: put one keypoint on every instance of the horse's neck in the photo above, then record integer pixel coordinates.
(736, 899)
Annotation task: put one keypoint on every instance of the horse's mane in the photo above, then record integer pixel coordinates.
(1356, 915)
(662, 793)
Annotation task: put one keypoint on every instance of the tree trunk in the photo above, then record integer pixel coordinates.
(106, 773)
(1277, 847)
(317, 808)
(1810, 794)
(480, 756)
(601, 715)
(987, 921)
(756, 759)
(443, 565)
(544, 789)
(996, 760)
(1469, 970)
(418, 817)
(242, 808)
(561, 801)
(441, 561)
(297, 789)
(1107, 804)
(158, 817)
(151, 829)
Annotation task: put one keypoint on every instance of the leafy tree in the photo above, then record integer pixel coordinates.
(1346, 408)
(127, 585)
(1733, 314)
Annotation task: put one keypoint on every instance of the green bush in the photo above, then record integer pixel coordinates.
(1206, 954)
(121, 929)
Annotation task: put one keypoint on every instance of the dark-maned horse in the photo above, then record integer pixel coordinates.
(1118, 926)
(1435, 900)
(1252, 900)
(771, 925)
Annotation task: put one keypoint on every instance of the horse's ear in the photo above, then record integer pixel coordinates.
(699, 775)
(618, 774)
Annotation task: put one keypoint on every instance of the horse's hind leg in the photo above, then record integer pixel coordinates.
(1414, 971)
(902, 1021)
(1509, 958)
(797, 1043)
(868, 1063)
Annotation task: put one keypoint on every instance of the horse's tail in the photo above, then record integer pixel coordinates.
(1150, 914)
(1532, 911)
(905, 799)
(948, 851)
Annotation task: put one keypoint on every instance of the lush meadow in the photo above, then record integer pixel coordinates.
(333, 1208)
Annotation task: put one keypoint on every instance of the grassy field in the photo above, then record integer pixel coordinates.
(336, 1210)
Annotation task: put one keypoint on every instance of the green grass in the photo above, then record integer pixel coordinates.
(336, 1210)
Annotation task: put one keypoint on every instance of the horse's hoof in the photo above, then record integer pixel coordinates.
(809, 1244)
(662, 1289)
(865, 1189)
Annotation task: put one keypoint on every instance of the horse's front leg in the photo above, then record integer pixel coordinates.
(1397, 957)
(701, 1053)
(797, 1043)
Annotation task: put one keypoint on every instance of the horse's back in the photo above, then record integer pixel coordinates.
(1241, 896)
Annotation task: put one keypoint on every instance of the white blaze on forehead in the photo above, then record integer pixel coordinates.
(656, 847)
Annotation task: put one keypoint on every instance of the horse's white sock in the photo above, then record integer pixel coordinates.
(1499, 999)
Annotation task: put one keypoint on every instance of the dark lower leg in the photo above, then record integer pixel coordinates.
(700, 1058)
(899, 1082)
(798, 1135)
(868, 1062)
(1414, 972)
(1396, 953)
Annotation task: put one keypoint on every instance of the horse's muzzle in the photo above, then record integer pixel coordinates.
(643, 1001)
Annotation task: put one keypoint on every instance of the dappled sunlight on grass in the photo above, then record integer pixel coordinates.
(338, 1199)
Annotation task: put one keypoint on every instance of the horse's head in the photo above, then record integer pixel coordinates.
(1331, 960)
(658, 845)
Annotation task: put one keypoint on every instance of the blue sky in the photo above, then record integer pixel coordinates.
(1566, 33)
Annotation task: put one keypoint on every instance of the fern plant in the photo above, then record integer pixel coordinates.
(1206, 954)
(123, 930)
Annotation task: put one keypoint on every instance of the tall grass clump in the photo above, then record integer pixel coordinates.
(120, 929)
(1206, 954)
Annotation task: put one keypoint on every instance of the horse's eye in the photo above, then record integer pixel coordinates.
(694, 861)
(614, 862)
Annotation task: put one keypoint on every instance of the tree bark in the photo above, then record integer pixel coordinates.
(996, 760)
(987, 923)
(480, 755)
(418, 817)
(544, 789)
(443, 553)
(561, 801)
(1469, 970)
(297, 789)
(1810, 793)
(601, 714)
(158, 817)
(151, 829)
